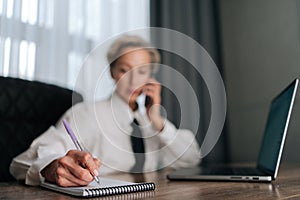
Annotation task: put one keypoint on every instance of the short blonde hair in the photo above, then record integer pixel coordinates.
(125, 42)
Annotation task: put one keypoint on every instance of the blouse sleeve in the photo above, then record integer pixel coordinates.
(52, 144)
(46, 148)
(179, 147)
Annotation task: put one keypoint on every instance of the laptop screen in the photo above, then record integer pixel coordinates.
(276, 128)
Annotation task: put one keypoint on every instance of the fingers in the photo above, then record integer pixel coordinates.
(65, 178)
(153, 90)
(153, 86)
(97, 162)
(77, 168)
(86, 161)
(133, 97)
(70, 169)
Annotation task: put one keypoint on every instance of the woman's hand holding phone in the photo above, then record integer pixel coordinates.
(152, 90)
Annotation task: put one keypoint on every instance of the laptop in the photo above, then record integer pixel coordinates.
(270, 153)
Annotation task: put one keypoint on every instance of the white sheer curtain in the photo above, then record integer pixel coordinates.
(47, 40)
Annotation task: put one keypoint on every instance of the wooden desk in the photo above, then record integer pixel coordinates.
(286, 186)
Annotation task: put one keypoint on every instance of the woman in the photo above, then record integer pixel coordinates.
(105, 129)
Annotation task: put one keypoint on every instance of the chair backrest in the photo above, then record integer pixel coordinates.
(27, 109)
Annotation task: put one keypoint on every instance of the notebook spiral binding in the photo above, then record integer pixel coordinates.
(140, 187)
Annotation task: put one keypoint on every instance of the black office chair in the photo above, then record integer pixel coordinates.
(27, 109)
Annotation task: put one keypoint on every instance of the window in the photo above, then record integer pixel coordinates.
(48, 40)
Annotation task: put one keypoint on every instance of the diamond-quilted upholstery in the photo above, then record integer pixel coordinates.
(27, 109)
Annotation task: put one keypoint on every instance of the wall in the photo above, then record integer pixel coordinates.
(261, 55)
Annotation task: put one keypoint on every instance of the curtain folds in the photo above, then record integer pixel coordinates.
(199, 19)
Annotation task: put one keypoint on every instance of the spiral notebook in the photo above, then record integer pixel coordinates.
(106, 187)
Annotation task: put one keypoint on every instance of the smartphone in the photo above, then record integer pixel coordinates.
(148, 100)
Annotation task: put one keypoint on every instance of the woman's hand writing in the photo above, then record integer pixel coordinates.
(76, 168)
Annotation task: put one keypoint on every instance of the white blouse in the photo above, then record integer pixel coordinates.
(104, 129)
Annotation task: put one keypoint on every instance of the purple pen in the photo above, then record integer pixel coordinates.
(72, 135)
(75, 141)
